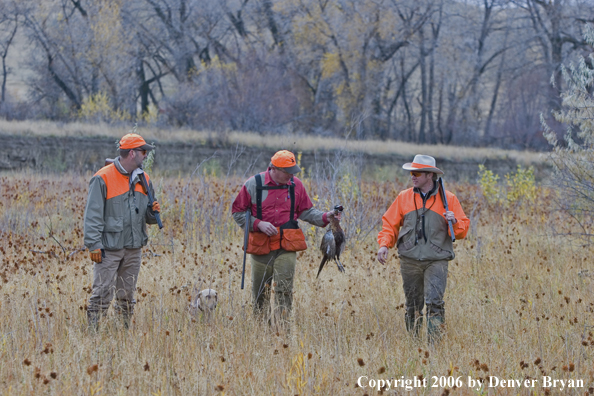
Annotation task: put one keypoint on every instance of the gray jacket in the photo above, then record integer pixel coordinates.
(117, 210)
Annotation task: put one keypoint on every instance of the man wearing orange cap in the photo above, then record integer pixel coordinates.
(115, 221)
(276, 199)
(417, 223)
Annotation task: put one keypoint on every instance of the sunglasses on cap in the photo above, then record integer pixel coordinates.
(416, 174)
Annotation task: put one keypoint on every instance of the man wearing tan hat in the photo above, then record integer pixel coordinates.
(115, 221)
(276, 199)
(417, 223)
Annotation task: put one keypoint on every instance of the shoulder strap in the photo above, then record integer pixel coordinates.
(259, 196)
(260, 187)
(292, 193)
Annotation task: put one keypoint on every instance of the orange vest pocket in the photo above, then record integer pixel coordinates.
(293, 240)
(275, 240)
(258, 243)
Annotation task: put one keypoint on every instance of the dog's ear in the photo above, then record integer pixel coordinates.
(195, 300)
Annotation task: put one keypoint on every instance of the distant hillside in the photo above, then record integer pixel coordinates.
(80, 147)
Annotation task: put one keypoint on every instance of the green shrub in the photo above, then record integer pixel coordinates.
(98, 108)
(521, 185)
(489, 184)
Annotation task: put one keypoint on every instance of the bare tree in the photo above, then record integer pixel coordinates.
(82, 51)
(9, 23)
(556, 25)
(429, 71)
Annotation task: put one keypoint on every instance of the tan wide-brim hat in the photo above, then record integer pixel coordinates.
(422, 163)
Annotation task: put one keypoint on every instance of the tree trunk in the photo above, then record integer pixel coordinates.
(272, 26)
(63, 86)
(4, 76)
(435, 28)
(498, 79)
(554, 12)
(439, 111)
(143, 89)
(423, 65)
(4, 55)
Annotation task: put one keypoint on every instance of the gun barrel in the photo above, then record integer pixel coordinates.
(145, 186)
(445, 204)
(150, 197)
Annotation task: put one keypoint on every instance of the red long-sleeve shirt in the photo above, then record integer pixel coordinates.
(276, 204)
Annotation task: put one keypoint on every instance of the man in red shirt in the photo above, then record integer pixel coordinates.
(276, 199)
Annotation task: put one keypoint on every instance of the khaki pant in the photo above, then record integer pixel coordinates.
(424, 283)
(116, 274)
(276, 268)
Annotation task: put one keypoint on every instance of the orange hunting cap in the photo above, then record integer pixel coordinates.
(132, 141)
(286, 160)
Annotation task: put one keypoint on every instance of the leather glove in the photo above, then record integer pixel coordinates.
(156, 207)
(95, 255)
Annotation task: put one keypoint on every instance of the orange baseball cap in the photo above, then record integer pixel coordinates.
(132, 141)
(286, 160)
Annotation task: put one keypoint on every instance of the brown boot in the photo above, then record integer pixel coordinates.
(413, 323)
(435, 328)
(93, 320)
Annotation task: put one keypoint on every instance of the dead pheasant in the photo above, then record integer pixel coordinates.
(333, 242)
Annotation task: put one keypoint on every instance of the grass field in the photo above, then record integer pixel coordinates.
(519, 301)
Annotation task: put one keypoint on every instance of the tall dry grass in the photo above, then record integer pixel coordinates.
(518, 302)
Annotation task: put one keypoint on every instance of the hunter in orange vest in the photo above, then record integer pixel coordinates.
(116, 215)
(417, 224)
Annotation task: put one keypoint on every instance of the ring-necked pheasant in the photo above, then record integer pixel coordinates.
(333, 242)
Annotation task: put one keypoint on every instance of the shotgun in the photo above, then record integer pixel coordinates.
(151, 199)
(445, 204)
(246, 238)
(145, 186)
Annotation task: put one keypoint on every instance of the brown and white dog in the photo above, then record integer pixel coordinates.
(204, 301)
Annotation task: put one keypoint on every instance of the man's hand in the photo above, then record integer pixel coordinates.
(95, 255)
(382, 255)
(337, 216)
(267, 228)
(450, 216)
(156, 207)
